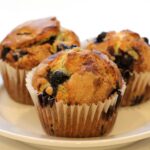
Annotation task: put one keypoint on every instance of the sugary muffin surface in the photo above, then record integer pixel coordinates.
(126, 48)
(28, 44)
(31, 32)
(76, 77)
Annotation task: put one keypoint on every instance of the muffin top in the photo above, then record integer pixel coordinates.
(75, 77)
(126, 48)
(28, 44)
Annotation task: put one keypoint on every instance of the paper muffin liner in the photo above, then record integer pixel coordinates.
(138, 89)
(76, 120)
(14, 82)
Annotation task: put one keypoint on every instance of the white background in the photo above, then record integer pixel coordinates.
(86, 17)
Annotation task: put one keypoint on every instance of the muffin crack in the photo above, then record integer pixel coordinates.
(18, 53)
(49, 40)
(63, 46)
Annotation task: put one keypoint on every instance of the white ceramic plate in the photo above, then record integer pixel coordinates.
(21, 122)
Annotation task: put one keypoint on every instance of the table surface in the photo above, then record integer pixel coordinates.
(87, 18)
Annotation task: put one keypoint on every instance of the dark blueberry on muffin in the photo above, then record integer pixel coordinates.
(101, 37)
(4, 52)
(124, 60)
(58, 77)
(45, 99)
(146, 40)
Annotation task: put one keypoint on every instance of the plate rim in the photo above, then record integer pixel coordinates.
(76, 142)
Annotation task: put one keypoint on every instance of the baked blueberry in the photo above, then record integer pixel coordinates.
(45, 99)
(22, 53)
(146, 40)
(56, 78)
(16, 56)
(101, 37)
(5, 51)
(124, 60)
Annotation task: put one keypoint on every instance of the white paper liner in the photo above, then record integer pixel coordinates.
(74, 120)
(137, 88)
(14, 81)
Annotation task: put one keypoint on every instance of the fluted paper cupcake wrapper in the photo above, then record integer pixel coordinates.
(14, 81)
(138, 89)
(76, 120)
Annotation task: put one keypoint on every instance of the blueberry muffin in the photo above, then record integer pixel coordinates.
(131, 53)
(26, 46)
(76, 93)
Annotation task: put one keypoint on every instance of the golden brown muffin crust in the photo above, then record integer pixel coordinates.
(124, 41)
(28, 44)
(31, 32)
(89, 76)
